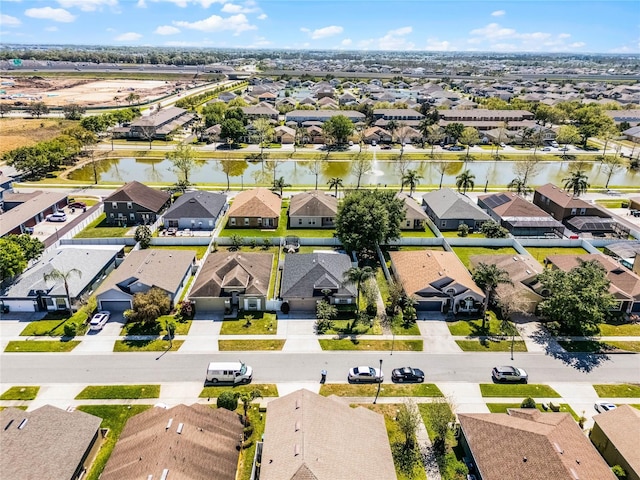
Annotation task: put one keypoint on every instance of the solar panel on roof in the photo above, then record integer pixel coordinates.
(496, 200)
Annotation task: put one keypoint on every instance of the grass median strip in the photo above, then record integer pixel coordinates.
(386, 390)
(158, 345)
(20, 393)
(55, 346)
(620, 329)
(521, 390)
(110, 392)
(50, 328)
(114, 417)
(266, 390)
(595, 346)
(490, 345)
(237, 345)
(621, 390)
(372, 345)
(503, 407)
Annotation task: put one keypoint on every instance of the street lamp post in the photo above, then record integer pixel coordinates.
(379, 384)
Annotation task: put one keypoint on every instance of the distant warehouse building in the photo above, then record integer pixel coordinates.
(157, 126)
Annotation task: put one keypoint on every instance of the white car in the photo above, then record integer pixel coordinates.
(57, 217)
(99, 320)
(602, 407)
(365, 375)
(509, 374)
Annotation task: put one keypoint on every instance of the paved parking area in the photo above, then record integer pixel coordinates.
(44, 229)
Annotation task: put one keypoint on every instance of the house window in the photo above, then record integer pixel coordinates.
(259, 221)
(573, 211)
(114, 204)
(211, 223)
(583, 211)
(246, 222)
(129, 205)
(132, 216)
(111, 215)
(232, 221)
(299, 221)
(443, 224)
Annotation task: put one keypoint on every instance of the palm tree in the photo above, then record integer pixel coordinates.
(465, 181)
(519, 186)
(488, 277)
(335, 182)
(357, 275)
(279, 185)
(56, 275)
(246, 399)
(411, 179)
(578, 182)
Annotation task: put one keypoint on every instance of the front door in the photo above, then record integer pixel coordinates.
(234, 299)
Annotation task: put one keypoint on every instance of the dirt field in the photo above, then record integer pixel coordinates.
(56, 92)
(19, 132)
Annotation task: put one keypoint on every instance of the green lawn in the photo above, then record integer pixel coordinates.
(517, 390)
(594, 346)
(99, 229)
(20, 393)
(109, 392)
(344, 327)
(51, 326)
(114, 417)
(619, 329)
(386, 390)
(372, 345)
(411, 329)
(624, 390)
(240, 345)
(41, 346)
(426, 233)
(156, 328)
(503, 407)
(262, 324)
(540, 253)
(157, 345)
(454, 233)
(490, 345)
(199, 249)
(182, 327)
(464, 253)
(245, 462)
(613, 203)
(266, 390)
(473, 328)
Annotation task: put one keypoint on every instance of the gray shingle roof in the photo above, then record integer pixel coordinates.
(450, 205)
(197, 205)
(304, 273)
(313, 204)
(140, 194)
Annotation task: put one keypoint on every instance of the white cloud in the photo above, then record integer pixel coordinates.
(248, 7)
(166, 30)
(48, 13)
(259, 42)
(128, 37)
(304, 29)
(110, 30)
(400, 31)
(262, 16)
(186, 3)
(493, 30)
(141, 4)
(577, 44)
(235, 23)
(324, 32)
(51, 29)
(438, 45)
(346, 42)
(394, 40)
(498, 13)
(564, 35)
(9, 21)
(88, 5)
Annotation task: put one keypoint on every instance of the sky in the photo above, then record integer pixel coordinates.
(583, 26)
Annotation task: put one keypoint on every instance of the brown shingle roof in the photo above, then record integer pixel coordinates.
(522, 270)
(33, 204)
(531, 445)
(249, 270)
(622, 427)
(258, 202)
(313, 204)
(562, 197)
(412, 208)
(206, 448)
(310, 437)
(418, 269)
(514, 206)
(51, 444)
(140, 194)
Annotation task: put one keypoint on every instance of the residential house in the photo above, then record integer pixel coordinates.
(407, 116)
(322, 438)
(565, 207)
(142, 270)
(227, 281)
(5, 187)
(376, 134)
(314, 135)
(25, 210)
(31, 293)
(615, 435)
(197, 210)
(160, 124)
(311, 277)
(520, 217)
(484, 120)
(529, 444)
(301, 116)
(624, 286)
(631, 116)
(256, 208)
(48, 443)
(523, 272)
(632, 134)
(194, 442)
(415, 217)
(261, 111)
(134, 203)
(438, 280)
(313, 209)
(449, 209)
(285, 135)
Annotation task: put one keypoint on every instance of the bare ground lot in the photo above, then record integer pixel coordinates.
(57, 92)
(24, 132)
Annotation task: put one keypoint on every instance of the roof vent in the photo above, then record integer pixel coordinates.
(296, 450)
(524, 459)
(515, 259)
(169, 424)
(23, 423)
(150, 477)
(180, 427)
(298, 425)
(165, 474)
(528, 272)
(557, 447)
(298, 404)
(574, 474)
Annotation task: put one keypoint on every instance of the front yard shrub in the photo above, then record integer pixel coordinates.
(70, 329)
(528, 403)
(228, 400)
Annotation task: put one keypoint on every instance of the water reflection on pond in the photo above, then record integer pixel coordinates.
(302, 172)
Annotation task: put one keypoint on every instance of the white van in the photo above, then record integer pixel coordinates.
(229, 372)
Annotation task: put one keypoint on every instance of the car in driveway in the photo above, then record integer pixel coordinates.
(99, 320)
(407, 375)
(57, 217)
(509, 374)
(77, 205)
(602, 407)
(546, 149)
(365, 374)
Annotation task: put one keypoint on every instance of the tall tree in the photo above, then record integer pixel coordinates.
(183, 161)
(279, 185)
(411, 179)
(12, 260)
(401, 165)
(56, 275)
(611, 166)
(315, 166)
(357, 276)
(338, 128)
(264, 132)
(392, 127)
(567, 134)
(519, 186)
(454, 130)
(488, 277)
(470, 136)
(73, 111)
(37, 109)
(435, 134)
(335, 182)
(577, 182)
(465, 181)
(526, 169)
(360, 164)
(232, 130)
(232, 168)
(150, 305)
(246, 398)
(31, 247)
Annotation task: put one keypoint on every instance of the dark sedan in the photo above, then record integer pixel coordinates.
(407, 375)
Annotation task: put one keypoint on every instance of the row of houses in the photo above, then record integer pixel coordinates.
(306, 436)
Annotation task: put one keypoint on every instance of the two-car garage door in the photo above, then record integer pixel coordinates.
(115, 305)
(429, 306)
